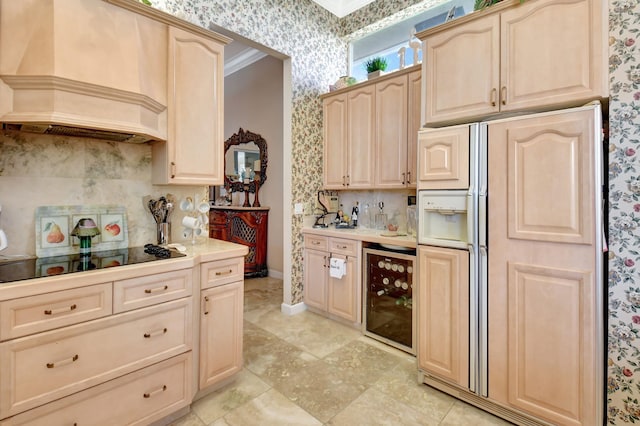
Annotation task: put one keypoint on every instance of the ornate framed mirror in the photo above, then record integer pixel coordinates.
(243, 153)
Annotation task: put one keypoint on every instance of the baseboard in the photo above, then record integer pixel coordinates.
(276, 274)
(293, 309)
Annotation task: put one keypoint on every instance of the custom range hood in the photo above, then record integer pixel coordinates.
(82, 68)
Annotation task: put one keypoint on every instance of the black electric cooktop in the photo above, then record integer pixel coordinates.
(56, 265)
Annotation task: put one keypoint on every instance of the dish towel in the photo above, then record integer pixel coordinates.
(337, 268)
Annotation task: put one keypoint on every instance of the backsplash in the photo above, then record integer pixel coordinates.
(41, 170)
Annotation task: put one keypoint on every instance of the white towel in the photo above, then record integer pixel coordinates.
(337, 268)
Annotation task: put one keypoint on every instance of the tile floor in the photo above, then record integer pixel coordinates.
(308, 370)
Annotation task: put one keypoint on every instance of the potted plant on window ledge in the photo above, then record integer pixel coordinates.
(375, 67)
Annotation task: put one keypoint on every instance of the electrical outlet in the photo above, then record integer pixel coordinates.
(298, 208)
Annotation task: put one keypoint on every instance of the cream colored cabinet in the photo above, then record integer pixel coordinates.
(391, 133)
(337, 297)
(370, 133)
(545, 276)
(349, 138)
(443, 314)
(194, 151)
(221, 317)
(512, 56)
(413, 126)
(443, 158)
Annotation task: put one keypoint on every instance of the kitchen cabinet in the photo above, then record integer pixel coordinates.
(221, 316)
(443, 314)
(539, 54)
(370, 132)
(349, 139)
(443, 158)
(336, 297)
(63, 353)
(545, 266)
(247, 226)
(193, 153)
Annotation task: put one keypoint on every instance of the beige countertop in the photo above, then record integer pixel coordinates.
(204, 251)
(363, 234)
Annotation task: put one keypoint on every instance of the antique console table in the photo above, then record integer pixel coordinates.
(243, 225)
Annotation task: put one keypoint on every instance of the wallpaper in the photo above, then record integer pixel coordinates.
(623, 384)
(38, 170)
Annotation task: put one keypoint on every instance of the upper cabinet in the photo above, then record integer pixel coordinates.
(194, 151)
(370, 133)
(540, 54)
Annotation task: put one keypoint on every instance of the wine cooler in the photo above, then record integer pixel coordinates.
(390, 311)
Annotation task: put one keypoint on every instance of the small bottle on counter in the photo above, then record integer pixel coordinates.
(354, 215)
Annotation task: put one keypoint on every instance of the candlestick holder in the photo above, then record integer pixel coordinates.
(256, 201)
(246, 195)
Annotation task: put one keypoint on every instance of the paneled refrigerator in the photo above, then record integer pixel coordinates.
(510, 264)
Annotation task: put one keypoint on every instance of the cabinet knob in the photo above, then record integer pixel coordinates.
(60, 310)
(62, 362)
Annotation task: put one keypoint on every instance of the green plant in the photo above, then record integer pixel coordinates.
(481, 4)
(375, 64)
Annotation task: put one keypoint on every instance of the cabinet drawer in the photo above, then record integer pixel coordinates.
(346, 247)
(29, 315)
(142, 397)
(222, 272)
(149, 290)
(38, 369)
(316, 242)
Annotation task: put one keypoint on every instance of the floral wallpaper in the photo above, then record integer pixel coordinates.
(623, 383)
(37, 170)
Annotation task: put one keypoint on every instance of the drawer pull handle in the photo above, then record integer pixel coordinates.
(156, 290)
(62, 362)
(342, 247)
(60, 310)
(155, 333)
(155, 392)
(206, 305)
(224, 272)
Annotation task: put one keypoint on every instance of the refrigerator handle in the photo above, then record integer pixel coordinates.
(471, 220)
(474, 354)
(483, 323)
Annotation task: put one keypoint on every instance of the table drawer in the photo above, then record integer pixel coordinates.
(316, 242)
(142, 397)
(221, 272)
(346, 247)
(34, 314)
(149, 290)
(39, 369)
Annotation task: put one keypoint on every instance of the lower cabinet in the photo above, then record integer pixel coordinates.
(221, 317)
(142, 397)
(443, 316)
(338, 297)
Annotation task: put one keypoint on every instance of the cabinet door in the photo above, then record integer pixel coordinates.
(195, 140)
(544, 274)
(315, 279)
(553, 53)
(362, 139)
(344, 293)
(443, 313)
(462, 70)
(391, 133)
(443, 158)
(221, 333)
(335, 141)
(413, 126)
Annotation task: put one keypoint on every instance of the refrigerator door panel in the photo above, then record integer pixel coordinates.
(474, 308)
(483, 326)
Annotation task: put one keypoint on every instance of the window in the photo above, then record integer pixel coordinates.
(388, 41)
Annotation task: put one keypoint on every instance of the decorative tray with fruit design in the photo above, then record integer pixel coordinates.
(55, 223)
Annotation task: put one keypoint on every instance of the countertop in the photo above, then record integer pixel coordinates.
(363, 234)
(204, 251)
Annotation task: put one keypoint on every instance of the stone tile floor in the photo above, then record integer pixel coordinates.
(308, 370)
